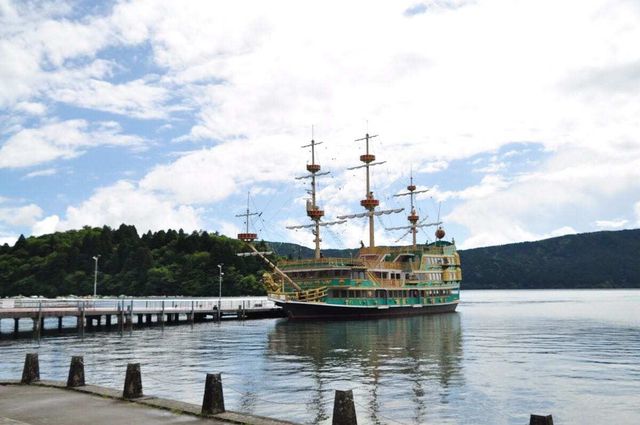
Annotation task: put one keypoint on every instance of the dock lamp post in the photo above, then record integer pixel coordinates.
(220, 291)
(95, 276)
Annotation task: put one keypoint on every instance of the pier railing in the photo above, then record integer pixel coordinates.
(127, 311)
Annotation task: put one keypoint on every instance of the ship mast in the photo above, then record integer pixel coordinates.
(369, 202)
(413, 215)
(247, 236)
(313, 210)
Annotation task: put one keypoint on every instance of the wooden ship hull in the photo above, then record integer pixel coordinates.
(297, 310)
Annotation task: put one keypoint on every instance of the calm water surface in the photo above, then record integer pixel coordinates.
(502, 356)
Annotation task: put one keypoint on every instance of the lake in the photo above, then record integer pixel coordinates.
(502, 356)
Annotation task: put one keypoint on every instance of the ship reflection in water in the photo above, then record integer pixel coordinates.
(405, 369)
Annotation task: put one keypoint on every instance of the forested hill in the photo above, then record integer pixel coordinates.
(587, 260)
(162, 263)
(176, 263)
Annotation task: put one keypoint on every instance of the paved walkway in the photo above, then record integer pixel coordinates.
(37, 405)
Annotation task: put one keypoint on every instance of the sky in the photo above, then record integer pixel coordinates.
(521, 117)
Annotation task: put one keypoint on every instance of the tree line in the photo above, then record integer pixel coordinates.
(176, 263)
(157, 263)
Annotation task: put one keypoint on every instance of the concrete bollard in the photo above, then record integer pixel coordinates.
(132, 382)
(541, 420)
(76, 372)
(213, 400)
(31, 371)
(344, 409)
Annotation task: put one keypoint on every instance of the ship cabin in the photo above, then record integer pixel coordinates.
(383, 275)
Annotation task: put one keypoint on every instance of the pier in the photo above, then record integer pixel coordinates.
(125, 313)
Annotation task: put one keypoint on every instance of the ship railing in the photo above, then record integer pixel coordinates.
(314, 294)
(319, 262)
(387, 265)
(452, 275)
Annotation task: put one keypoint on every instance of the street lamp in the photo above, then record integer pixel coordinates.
(220, 290)
(95, 275)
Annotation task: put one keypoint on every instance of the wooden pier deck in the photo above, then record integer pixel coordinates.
(127, 312)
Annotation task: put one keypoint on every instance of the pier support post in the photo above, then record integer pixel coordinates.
(161, 316)
(541, 420)
(76, 372)
(344, 409)
(132, 382)
(99, 321)
(81, 320)
(213, 399)
(121, 320)
(131, 315)
(16, 326)
(107, 319)
(148, 319)
(31, 371)
(59, 323)
(140, 316)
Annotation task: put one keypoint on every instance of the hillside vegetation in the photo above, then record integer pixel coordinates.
(176, 263)
(162, 263)
(587, 260)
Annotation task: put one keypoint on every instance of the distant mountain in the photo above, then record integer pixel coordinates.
(587, 260)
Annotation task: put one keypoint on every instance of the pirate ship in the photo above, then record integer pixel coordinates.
(380, 281)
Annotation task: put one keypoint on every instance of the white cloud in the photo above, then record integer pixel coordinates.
(45, 226)
(572, 189)
(124, 202)
(33, 108)
(9, 240)
(20, 216)
(611, 224)
(136, 98)
(442, 84)
(61, 140)
(211, 175)
(42, 173)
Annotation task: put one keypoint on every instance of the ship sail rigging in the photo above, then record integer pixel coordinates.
(248, 236)
(413, 215)
(313, 210)
(369, 202)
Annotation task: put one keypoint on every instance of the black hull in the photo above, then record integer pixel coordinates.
(316, 311)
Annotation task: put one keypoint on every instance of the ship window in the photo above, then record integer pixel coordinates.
(379, 293)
